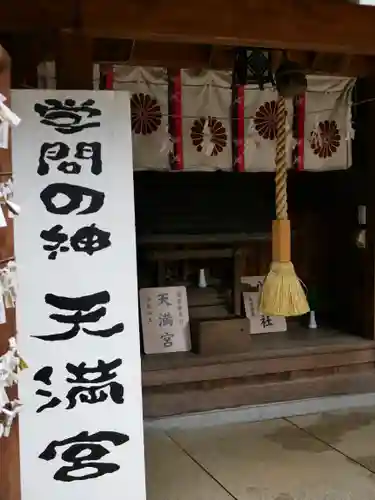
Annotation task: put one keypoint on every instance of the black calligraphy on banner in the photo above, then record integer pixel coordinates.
(52, 154)
(56, 155)
(68, 116)
(63, 199)
(88, 239)
(83, 453)
(90, 385)
(85, 310)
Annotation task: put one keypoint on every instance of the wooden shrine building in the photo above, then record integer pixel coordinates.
(222, 220)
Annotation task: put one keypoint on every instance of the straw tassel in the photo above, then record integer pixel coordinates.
(282, 293)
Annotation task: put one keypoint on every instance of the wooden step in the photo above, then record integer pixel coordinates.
(158, 404)
(282, 366)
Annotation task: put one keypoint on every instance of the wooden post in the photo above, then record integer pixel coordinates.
(26, 55)
(74, 66)
(10, 488)
(363, 288)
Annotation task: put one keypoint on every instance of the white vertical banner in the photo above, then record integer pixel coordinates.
(81, 429)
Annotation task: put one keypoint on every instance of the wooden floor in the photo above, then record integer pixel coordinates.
(281, 366)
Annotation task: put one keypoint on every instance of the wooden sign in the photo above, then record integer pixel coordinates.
(165, 319)
(81, 429)
(261, 323)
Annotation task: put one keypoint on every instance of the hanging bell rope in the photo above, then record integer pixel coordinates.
(281, 163)
(282, 293)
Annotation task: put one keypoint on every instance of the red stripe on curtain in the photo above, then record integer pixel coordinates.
(109, 79)
(240, 128)
(301, 115)
(176, 109)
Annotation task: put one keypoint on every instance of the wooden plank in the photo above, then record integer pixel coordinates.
(9, 447)
(42, 47)
(38, 16)
(252, 367)
(340, 27)
(168, 55)
(221, 336)
(201, 239)
(295, 342)
(191, 253)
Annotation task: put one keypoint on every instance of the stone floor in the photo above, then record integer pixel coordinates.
(328, 456)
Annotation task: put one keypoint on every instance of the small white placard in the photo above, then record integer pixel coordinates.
(260, 323)
(253, 281)
(165, 319)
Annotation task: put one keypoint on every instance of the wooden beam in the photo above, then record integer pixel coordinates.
(330, 26)
(27, 51)
(169, 55)
(291, 24)
(138, 53)
(38, 16)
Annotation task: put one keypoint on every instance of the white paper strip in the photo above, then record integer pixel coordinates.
(3, 221)
(3, 318)
(81, 435)
(4, 135)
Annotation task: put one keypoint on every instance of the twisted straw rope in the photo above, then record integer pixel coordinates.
(281, 163)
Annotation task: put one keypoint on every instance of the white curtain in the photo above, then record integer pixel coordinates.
(206, 110)
(149, 114)
(260, 129)
(328, 127)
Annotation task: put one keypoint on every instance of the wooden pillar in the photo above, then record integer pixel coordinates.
(74, 61)
(26, 53)
(362, 286)
(9, 448)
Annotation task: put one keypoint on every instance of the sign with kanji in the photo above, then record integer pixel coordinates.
(81, 428)
(261, 323)
(165, 319)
